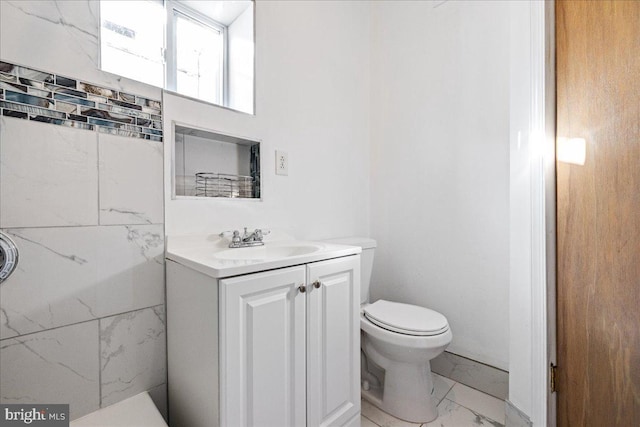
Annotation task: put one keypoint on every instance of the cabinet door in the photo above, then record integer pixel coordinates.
(262, 366)
(333, 342)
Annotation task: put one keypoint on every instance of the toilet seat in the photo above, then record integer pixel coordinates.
(406, 319)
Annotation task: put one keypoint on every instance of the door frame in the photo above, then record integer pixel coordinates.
(543, 214)
(532, 211)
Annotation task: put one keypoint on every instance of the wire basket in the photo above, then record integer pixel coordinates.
(209, 184)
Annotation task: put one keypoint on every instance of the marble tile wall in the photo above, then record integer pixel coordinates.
(82, 317)
(54, 366)
(132, 363)
(485, 378)
(80, 274)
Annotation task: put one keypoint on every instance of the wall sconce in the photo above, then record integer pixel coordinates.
(571, 150)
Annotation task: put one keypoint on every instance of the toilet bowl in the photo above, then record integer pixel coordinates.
(405, 356)
(398, 342)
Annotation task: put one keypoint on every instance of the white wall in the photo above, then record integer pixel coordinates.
(313, 102)
(241, 73)
(440, 165)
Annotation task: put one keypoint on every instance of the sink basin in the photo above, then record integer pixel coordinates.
(267, 252)
(210, 254)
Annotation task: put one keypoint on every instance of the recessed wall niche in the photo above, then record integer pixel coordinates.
(208, 163)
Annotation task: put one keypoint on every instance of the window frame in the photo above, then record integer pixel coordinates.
(169, 57)
(172, 9)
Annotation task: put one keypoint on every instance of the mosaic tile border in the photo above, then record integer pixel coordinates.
(35, 95)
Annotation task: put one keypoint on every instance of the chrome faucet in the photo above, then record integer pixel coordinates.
(253, 238)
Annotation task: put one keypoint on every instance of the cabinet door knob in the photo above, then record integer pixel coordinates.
(302, 289)
(317, 284)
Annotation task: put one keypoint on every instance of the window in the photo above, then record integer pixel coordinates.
(199, 50)
(183, 46)
(130, 46)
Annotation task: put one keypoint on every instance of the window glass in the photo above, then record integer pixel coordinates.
(199, 59)
(131, 46)
(202, 49)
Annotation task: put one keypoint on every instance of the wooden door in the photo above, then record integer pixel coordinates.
(598, 96)
(262, 364)
(333, 342)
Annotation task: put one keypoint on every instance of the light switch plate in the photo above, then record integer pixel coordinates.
(282, 163)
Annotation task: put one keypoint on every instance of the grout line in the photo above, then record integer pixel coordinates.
(446, 396)
(98, 177)
(362, 415)
(480, 391)
(475, 411)
(448, 391)
(466, 407)
(475, 388)
(440, 401)
(99, 367)
(41, 227)
(83, 321)
(473, 361)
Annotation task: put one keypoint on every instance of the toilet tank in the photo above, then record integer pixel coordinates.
(366, 261)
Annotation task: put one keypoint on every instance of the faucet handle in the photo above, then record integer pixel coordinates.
(235, 238)
(235, 235)
(259, 233)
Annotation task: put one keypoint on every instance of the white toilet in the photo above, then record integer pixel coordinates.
(398, 342)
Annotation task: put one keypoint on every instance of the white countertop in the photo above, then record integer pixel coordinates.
(211, 255)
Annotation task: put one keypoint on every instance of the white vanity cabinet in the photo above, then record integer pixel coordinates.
(263, 355)
(286, 344)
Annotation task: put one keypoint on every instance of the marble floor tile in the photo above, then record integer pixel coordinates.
(442, 386)
(514, 417)
(450, 414)
(366, 422)
(477, 401)
(381, 418)
(472, 408)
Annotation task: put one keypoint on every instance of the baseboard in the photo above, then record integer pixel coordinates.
(515, 417)
(480, 376)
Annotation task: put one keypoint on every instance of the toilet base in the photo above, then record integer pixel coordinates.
(407, 393)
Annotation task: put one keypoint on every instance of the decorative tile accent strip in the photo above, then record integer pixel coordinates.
(35, 95)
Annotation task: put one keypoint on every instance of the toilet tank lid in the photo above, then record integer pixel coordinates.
(363, 242)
